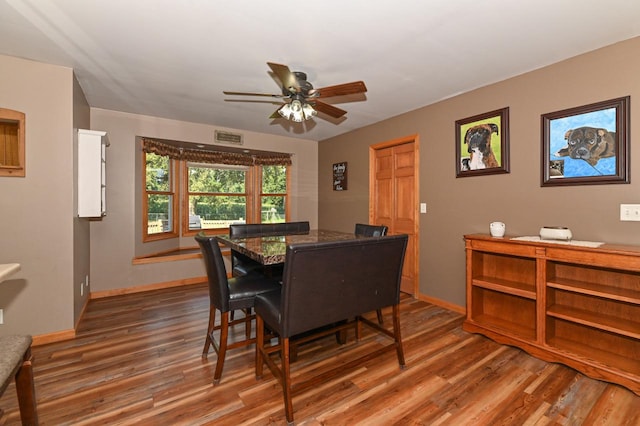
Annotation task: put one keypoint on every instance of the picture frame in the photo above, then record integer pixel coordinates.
(340, 176)
(482, 144)
(586, 145)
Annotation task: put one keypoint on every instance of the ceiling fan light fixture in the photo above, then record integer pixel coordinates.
(285, 111)
(308, 111)
(296, 111)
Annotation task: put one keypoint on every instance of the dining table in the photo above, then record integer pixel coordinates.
(272, 249)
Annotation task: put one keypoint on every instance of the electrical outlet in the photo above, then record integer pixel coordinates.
(630, 212)
(1, 316)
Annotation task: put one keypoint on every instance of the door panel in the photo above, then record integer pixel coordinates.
(393, 190)
(383, 198)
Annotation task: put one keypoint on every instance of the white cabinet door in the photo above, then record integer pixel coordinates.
(92, 173)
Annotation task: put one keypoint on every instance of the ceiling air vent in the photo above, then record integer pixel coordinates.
(229, 138)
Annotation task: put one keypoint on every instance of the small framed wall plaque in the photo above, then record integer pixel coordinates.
(340, 176)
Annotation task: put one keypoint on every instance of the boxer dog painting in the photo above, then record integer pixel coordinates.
(589, 144)
(478, 141)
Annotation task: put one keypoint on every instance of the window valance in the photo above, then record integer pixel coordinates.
(215, 157)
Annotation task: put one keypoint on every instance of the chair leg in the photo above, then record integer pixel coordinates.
(259, 346)
(396, 335)
(379, 314)
(209, 340)
(26, 391)
(247, 324)
(286, 379)
(222, 350)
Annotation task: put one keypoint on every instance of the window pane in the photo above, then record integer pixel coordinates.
(158, 173)
(274, 179)
(159, 218)
(216, 211)
(208, 179)
(273, 209)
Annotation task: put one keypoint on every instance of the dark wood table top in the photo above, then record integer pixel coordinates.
(272, 249)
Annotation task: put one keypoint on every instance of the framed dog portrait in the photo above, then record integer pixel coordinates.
(587, 145)
(482, 144)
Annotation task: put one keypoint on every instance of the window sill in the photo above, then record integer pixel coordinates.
(182, 253)
(169, 256)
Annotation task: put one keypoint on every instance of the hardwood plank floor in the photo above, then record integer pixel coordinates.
(136, 360)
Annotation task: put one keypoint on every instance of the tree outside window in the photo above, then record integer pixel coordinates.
(217, 196)
(159, 196)
(273, 194)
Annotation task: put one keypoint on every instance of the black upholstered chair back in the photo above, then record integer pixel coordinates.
(365, 230)
(328, 282)
(216, 272)
(261, 229)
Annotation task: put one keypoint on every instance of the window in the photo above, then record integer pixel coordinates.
(217, 188)
(219, 195)
(216, 196)
(159, 200)
(273, 194)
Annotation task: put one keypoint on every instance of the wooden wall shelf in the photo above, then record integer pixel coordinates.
(575, 305)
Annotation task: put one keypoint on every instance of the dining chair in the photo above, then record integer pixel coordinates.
(365, 230)
(238, 230)
(227, 295)
(323, 285)
(15, 363)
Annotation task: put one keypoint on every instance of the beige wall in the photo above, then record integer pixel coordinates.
(81, 229)
(40, 228)
(37, 211)
(459, 206)
(114, 239)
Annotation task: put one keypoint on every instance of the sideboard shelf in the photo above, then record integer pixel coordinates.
(600, 290)
(595, 320)
(525, 290)
(560, 302)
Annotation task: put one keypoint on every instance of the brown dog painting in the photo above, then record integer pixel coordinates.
(478, 140)
(589, 144)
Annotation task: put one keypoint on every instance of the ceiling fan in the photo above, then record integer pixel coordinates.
(300, 99)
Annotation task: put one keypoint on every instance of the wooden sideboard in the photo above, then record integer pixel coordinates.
(562, 303)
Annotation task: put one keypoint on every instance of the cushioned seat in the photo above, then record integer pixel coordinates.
(15, 362)
(326, 284)
(227, 295)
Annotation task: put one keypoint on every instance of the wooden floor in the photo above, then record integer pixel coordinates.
(136, 360)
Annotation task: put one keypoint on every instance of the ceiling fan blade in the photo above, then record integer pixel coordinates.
(286, 77)
(330, 110)
(254, 101)
(252, 94)
(340, 89)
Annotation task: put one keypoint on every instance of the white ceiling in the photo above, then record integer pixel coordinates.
(173, 58)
